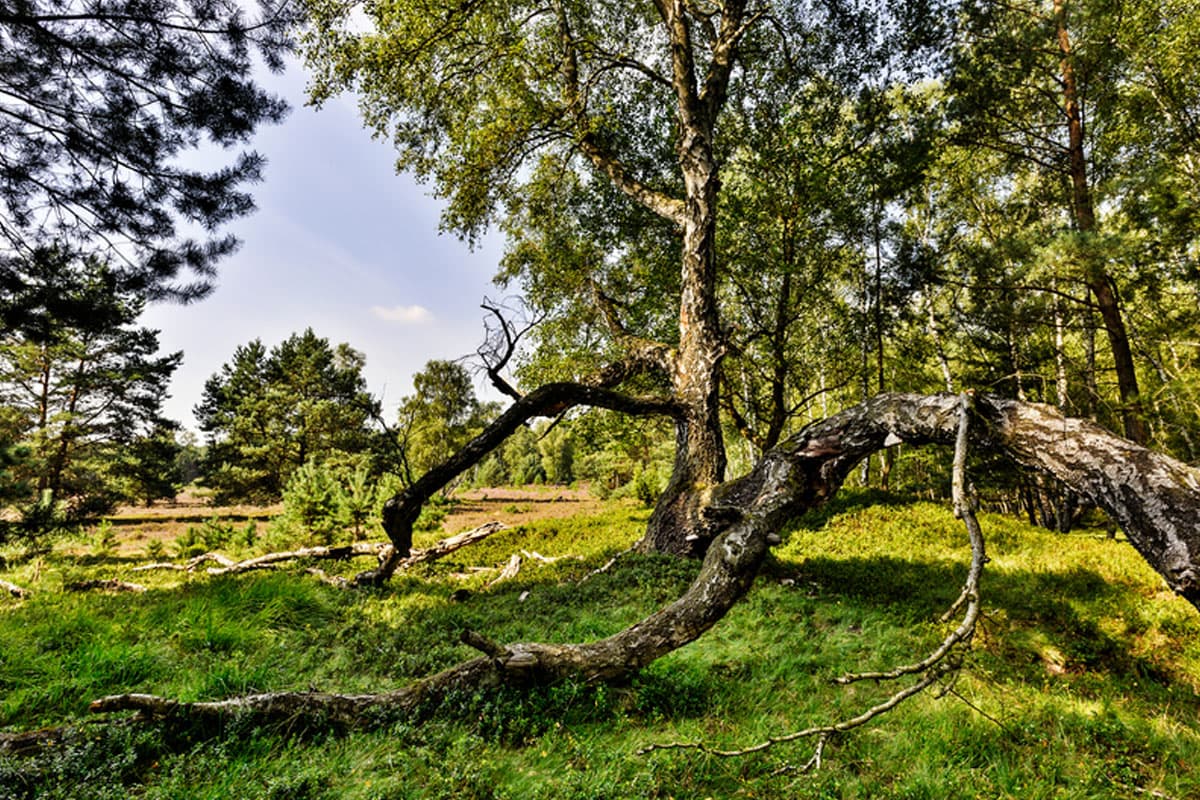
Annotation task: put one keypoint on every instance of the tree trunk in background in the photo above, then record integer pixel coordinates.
(1099, 282)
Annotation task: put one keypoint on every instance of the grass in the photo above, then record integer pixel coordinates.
(1084, 682)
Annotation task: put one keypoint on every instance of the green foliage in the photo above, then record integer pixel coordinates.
(266, 414)
(331, 499)
(99, 106)
(82, 398)
(310, 500)
(440, 417)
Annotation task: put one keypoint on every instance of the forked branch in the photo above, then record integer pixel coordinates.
(941, 664)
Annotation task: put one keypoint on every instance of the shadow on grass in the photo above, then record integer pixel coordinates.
(1064, 608)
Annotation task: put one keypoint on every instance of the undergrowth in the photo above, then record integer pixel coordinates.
(1083, 682)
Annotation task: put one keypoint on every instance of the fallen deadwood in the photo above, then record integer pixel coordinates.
(534, 555)
(188, 566)
(510, 570)
(340, 552)
(16, 591)
(939, 668)
(110, 584)
(1155, 498)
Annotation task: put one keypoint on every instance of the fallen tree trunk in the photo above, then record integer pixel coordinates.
(1154, 497)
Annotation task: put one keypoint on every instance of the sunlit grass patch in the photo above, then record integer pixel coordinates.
(1082, 682)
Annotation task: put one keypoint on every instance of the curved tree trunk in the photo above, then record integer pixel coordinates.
(400, 512)
(1155, 498)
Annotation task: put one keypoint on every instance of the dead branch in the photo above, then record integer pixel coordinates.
(1156, 498)
(341, 552)
(963, 509)
(164, 565)
(190, 565)
(510, 570)
(16, 591)
(607, 565)
(534, 555)
(111, 584)
(822, 732)
(500, 343)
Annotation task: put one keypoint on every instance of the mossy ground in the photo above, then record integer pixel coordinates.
(1084, 681)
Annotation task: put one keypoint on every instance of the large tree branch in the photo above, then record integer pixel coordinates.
(641, 354)
(1155, 497)
(601, 158)
(401, 511)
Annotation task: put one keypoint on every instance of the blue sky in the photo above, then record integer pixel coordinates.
(340, 243)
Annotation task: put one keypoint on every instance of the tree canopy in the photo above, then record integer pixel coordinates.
(267, 413)
(84, 400)
(100, 100)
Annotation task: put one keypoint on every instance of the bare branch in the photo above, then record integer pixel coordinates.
(963, 509)
(500, 343)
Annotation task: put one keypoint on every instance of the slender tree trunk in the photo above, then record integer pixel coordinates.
(780, 369)
(1062, 397)
(43, 482)
(885, 455)
(935, 332)
(1101, 284)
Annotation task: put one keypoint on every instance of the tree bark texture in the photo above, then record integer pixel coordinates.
(1155, 498)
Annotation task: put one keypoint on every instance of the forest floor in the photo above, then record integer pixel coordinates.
(1083, 681)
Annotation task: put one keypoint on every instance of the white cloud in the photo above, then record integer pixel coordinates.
(405, 315)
